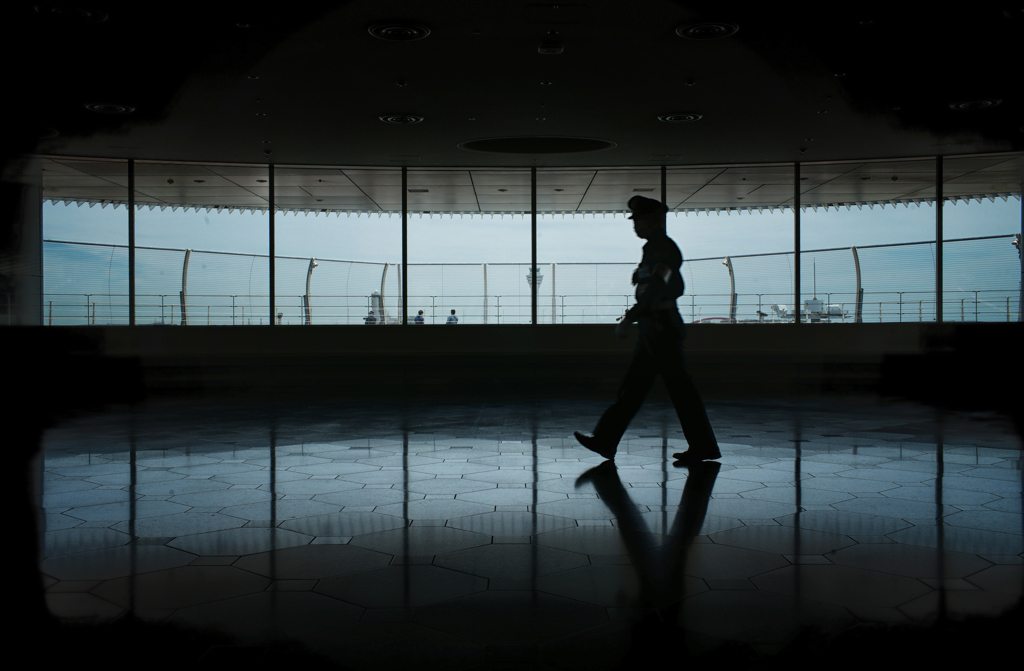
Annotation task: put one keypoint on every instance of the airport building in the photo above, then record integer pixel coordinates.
(846, 189)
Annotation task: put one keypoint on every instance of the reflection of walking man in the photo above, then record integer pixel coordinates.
(418, 319)
(659, 349)
(370, 319)
(452, 319)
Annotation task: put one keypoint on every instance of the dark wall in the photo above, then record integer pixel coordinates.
(968, 363)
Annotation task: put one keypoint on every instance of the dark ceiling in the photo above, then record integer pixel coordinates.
(306, 83)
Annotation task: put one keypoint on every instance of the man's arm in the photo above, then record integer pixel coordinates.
(657, 286)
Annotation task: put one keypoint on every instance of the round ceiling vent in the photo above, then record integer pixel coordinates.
(975, 104)
(709, 30)
(400, 118)
(536, 145)
(399, 31)
(680, 117)
(107, 108)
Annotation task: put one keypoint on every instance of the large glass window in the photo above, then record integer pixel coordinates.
(85, 248)
(734, 226)
(201, 235)
(712, 215)
(585, 244)
(868, 249)
(469, 246)
(885, 210)
(339, 245)
(981, 215)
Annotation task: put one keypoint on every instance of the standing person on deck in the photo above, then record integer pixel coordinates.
(659, 349)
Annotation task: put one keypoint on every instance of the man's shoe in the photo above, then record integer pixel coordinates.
(592, 443)
(694, 455)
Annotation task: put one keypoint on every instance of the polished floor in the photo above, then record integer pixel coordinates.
(461, 535)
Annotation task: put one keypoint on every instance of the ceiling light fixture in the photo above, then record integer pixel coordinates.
(680, 117)
(644, 189)
(399, 31)
(419, 190)
(974, 104)
(536, 145)
(709, 30)
(106, 108)
(400, 118)
(72, 15)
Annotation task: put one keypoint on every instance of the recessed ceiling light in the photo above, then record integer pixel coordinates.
(399, 31)
(975, 104)
(644, 189)
(680, 117)
(199, 181)
(254, 77)
(540, 118)
(502, 190)
(108, 108)
(545, 83)
(243, 24)
(708, 30)
(419, 190)
(559, 190)
(865, 178)
(262, 181)
(400, 118)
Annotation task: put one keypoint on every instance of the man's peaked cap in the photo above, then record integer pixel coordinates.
(641, 205)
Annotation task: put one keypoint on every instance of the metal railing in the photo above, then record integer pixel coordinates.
(226, 310)
(89, 286)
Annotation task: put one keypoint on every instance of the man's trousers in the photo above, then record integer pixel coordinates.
(659, 351)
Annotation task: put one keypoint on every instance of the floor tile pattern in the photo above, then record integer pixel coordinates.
(461, 535)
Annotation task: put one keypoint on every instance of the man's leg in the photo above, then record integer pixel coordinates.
(632, 392)
(693, 416)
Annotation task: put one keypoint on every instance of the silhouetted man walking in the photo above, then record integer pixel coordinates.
(659, 349)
